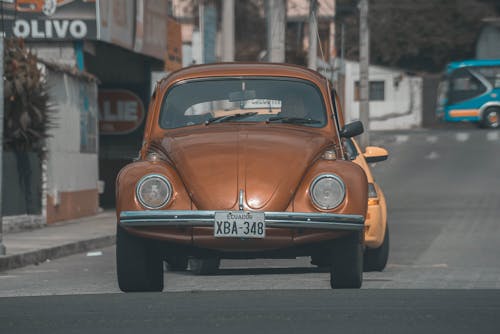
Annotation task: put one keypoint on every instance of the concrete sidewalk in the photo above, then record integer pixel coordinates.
(58, 240)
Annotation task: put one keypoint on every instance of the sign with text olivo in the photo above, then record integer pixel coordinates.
(50, 19)
(120, 111)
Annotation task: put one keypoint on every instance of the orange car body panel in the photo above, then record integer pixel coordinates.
(376, 218)
(208, 165)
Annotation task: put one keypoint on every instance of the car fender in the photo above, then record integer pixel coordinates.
(356, 184)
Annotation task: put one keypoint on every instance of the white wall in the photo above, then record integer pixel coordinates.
(402, 106)
(68, 169)
(60, 53)
(488, 43)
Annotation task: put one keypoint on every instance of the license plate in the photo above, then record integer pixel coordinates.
(239, 224)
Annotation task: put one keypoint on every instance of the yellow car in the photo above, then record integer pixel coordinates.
(376, 228)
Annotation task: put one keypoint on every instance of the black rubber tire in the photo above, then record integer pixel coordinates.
(486, 121)
(321, 261)
(375, 259)
(177, 263)
(138, 268)
(205, 266)
(347, 266)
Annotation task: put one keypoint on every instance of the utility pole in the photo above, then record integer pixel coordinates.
(209, 31)
(332, 51)
(228, 30)
(364, 63)
(313, 36)
(201, 25)
(341, 72)
(276, 24)
(2, 246)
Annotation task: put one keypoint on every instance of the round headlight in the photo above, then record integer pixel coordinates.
(153, 191)
(327, 191)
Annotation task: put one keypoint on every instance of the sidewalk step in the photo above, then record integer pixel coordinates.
(58, 240)
(41, 255)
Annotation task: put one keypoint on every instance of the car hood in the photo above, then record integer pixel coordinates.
(265, 165)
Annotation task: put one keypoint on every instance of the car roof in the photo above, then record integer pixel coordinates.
(472, 63)
(243, 69)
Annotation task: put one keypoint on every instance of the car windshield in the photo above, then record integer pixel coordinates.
(270, 100)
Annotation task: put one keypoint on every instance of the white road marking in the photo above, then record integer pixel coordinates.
(462, 136)
(402, 138)
(40, 271)
(432, 156)
(99, 253)
(437, 265)
(432, 139)
(492, 135)
(7, 276)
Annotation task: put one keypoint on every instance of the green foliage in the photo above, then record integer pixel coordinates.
(250, 34)
(421, 35)
(26, 100)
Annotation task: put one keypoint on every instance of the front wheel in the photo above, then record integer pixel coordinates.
(491, 118)
(347, 266)
(138, 267)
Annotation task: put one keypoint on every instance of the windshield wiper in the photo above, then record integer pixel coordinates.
(292, 120)
(221, 119)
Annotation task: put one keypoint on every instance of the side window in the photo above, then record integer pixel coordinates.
(490, 73)
(464, 86)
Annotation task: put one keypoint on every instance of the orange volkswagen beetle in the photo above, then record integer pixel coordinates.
(241, 161)
(376, 227)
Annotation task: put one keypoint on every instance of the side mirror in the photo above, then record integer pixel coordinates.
(375, 154)
(352, 129)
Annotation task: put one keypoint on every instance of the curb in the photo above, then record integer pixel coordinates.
(41, 255)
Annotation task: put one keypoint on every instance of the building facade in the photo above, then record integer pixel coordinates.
(99, 58)
(395, 97)
(71, 166)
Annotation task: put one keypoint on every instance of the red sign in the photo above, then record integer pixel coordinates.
(120, 111)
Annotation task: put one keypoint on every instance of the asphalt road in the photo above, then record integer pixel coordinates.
(443, 193)
(279, 311)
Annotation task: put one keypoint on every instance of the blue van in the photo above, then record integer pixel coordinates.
(470, 91)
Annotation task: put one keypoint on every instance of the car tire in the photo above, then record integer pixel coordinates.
(138, 268)
(206, 266)
(375, 259)
(320, 261)
(347, 262)
(491, 118)
(177, 263)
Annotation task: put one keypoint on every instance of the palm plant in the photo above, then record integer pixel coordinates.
(26, 100)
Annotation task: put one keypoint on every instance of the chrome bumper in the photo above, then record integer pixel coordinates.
(164, 218)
